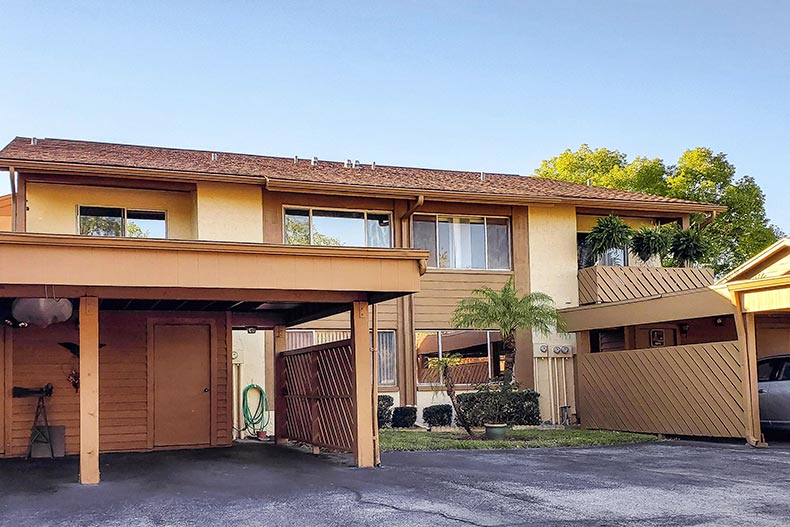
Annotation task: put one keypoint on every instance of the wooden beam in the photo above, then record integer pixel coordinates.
(279, 385)
(89, 390)
(374, 353)
(363, 384)
(747, 346)
(755, 435)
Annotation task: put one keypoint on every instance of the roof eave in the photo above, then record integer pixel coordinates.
(284, 185)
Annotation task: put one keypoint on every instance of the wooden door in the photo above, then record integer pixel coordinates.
(182, 385)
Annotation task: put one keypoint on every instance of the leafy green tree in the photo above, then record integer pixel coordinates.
(700, 175)
(508, 311)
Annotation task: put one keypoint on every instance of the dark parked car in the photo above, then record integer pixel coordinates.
(773, 376)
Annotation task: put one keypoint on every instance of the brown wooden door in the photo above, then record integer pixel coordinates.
(182, 385)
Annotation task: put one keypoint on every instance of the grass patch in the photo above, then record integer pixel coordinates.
(527, 438)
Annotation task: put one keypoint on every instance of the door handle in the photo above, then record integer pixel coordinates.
(206, 390)
(762, 390)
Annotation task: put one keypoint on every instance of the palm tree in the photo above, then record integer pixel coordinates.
(508, 311)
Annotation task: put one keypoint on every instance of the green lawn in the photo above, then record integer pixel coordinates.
(529, 438)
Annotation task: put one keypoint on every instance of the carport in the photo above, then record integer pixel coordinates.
(153, 330)
(706, 383)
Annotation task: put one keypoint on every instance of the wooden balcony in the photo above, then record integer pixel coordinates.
(600, 283)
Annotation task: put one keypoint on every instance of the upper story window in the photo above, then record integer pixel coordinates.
(614, 257)
(337, 227)
(463, 242)
(117, 221)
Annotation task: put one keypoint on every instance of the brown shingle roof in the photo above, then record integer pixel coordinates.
(21, 153)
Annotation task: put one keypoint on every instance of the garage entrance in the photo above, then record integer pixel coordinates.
(724, 378)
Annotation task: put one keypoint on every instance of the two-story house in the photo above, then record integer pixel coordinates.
(164, 252)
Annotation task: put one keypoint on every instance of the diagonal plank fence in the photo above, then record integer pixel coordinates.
(682, 390)
(316, 387)
(602, 283)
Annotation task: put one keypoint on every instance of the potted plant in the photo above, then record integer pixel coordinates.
(609, 233)
(493, 396)
(651, 242)
(688, 247)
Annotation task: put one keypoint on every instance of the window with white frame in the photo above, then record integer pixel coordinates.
(352, 228)
(463, 242)
(118, 221)
(387, 358)
(480, 355)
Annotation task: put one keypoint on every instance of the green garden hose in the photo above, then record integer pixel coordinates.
(259, 419)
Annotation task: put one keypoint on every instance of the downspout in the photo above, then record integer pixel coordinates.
(712, 216)
(408, 390)
(13, 198)
(419, 203)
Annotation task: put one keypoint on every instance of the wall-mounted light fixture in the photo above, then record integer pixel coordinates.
(684, 329)
(719, 321)
(252, 330)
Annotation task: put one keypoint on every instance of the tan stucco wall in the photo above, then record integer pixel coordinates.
(553, 270)
(52, 208)
(229, 212)
(249, 367)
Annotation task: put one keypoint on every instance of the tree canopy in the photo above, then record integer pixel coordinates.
(732, 237)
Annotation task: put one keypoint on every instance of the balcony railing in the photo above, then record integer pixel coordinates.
(602, 283)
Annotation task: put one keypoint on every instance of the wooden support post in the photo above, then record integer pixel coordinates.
(753, 414)
(89, 390)
(744, 323)
(279, 386)
(363, 385)
(374, 354)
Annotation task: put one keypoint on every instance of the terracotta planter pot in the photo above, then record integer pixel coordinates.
(495, 432)
(262, 434)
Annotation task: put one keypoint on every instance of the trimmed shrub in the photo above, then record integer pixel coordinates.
(404, 416)
(438, 415)
(384, 413)
(512, 407)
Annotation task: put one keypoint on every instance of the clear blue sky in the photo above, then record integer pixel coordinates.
(493, 86)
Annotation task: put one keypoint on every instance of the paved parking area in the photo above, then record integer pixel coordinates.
(664, 484)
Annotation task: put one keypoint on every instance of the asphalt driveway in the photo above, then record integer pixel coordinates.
(662, 484)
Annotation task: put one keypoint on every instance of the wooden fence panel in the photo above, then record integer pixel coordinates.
(318, 393)
(603, 283)
(681, 390)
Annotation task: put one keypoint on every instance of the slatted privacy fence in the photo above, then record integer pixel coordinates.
(316, 384)
(681, 390)
(602, 283)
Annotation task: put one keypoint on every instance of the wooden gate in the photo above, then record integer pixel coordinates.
(684, 390)
(316, 387)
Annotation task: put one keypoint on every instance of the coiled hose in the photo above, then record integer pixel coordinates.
(256, 420)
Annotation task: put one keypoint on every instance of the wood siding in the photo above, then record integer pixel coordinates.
(38, 359)
(683, 390)
(442, 290)
(602, 283)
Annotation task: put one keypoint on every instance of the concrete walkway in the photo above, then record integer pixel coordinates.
(666, 484)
